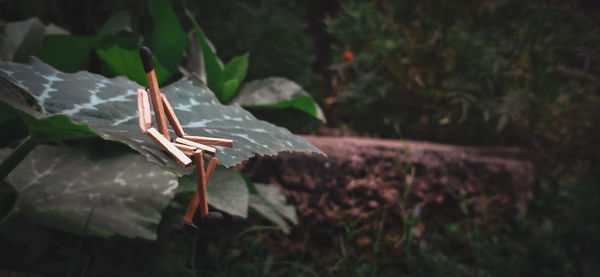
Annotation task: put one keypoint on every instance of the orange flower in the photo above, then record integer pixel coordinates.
(347, 56)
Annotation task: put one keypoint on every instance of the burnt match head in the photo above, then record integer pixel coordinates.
(147, 60)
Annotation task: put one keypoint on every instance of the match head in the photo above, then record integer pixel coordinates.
(147, 59)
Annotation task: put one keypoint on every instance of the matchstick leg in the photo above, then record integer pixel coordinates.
(210, 168)
(201, 178)
(196, 197)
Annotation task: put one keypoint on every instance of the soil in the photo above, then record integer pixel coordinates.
(371, 190)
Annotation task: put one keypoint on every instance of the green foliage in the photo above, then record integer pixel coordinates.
(20, 39)
(116, 48)
(214, 73)
(271, 93)
(118, 54)
(237, 68)
(270, 202)
(278, 93)
(67, 52)
(230, 248)
(38, 86)
(500, 72)
(169, 41)
(273, 31)
(88, 186)
(120, 61)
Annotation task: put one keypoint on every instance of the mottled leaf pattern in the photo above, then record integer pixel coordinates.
(60, 186)
(201, 114)
(109, 107)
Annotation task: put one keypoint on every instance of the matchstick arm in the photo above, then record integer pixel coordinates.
(210, 141)
(172, 117)
(145, 118)
(167, 146)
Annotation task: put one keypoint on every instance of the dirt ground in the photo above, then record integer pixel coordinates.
(368, 191)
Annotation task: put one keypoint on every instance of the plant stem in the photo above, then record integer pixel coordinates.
(16, 157)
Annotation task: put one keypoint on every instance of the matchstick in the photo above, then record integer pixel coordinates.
(209, 150)
(166, 145)
(210, 168)
(200, 192)
(159, 112)
(145, 118)
(186, 149)
(172, 117)
(211, 141)
(202, 181)
(200, 197)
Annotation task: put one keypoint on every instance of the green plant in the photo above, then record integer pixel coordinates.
(113, 51)
(115, 47)
(275, 32)
(273, 93)
(511, 72)
(229, 248)
(57, 106)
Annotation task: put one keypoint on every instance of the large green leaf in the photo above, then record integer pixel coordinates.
(169, 40)
(109, 107)
(120, 192)
(211, 65)
(271, 203)
(42, 128)
(234, 73)
(214, 73)
(67, 52)
(237, 68)
(127, 63)
(18, 39)
(226, 190)
(277, 92)
(229, 89)
(275, 198)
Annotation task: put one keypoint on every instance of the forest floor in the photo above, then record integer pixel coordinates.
(382, 194)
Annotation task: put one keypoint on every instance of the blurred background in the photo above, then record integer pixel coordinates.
(488, 73)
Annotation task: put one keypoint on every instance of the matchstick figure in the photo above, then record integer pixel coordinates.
(182, 147)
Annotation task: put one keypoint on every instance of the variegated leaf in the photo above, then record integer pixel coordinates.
(109, 107)
(120, 192)
(271, 203)
(278, 92)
